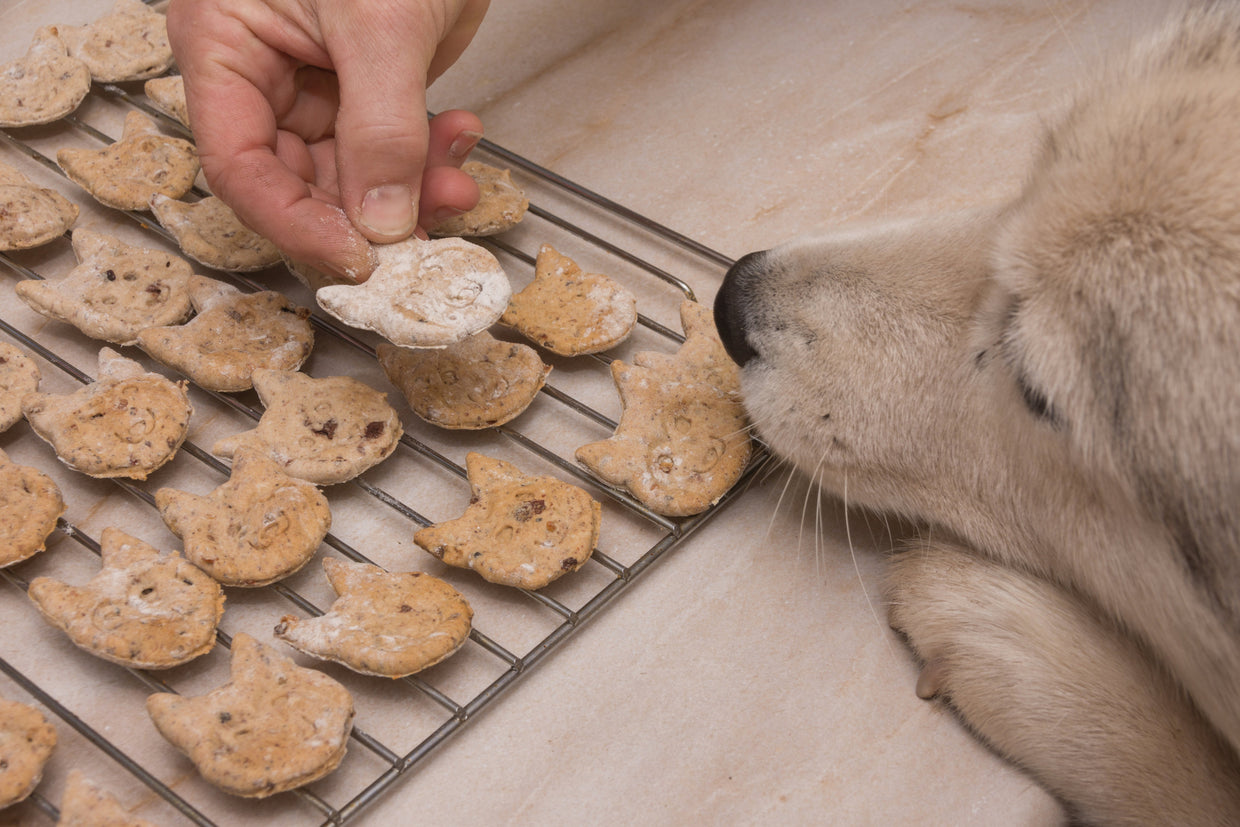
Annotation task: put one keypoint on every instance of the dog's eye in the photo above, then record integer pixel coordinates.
(1035, 400)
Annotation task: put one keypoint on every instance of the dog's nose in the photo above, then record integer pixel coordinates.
(731, 305)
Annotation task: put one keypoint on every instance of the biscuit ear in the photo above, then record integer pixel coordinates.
(119, 549)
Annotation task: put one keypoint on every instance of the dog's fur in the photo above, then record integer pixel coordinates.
(1052, 387)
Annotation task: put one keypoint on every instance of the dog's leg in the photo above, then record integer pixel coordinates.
(1049, 686)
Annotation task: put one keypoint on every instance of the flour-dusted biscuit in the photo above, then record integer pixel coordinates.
(26, 742)
(130, 43)
(479, 382)
(683, 439)
(86, 804)
(569, 311)
(501, 204)
(30, 505)
(167, 94)
(19, 375)
(44, 85)
(127, 423)
(232, 335)
(115, 291)
(325, 431)
(30, 215)
(259, 527)
(127, 174)
(273, 727)
(143, 609)
(210, 233)
(424, 293)
(519, 529)
(388, 624)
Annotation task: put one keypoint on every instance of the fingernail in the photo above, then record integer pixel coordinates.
(464, 144)
(388, 210)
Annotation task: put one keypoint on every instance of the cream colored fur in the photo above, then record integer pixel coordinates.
(1051, 387)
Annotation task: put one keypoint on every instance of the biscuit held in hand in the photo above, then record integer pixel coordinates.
(30, 504)
(43, 86)
(424, 293)
(388, 624)
(519, 529)
(130, 43)
(501, 204)
(143, 609)
(26, 742)
(210, 233)
(19, 375)
(273, 727)
(86, 804)
(31, 215)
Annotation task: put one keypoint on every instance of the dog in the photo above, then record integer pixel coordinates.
(1051, 387)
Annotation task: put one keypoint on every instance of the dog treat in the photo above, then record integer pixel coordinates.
(115, 291)
(569, 311)
(519, 530)
(501, 204)
(325, 431)
(273, 727)
(210, 233)
(232, 335)
(30, 215)
(424, 293)
(128, 173)
(30, 504)
(130, 43)
(259, 527)
(143, 609)
(682, 440)
(479, 382)
(43, 86)
(86, 804)
(127, 423)
(167, 94)
(26, 742)
(388, 624)
(19, 375)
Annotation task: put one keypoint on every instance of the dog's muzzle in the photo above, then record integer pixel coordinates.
(733, 305)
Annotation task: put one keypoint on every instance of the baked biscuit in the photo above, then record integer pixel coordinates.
(519, 530)
(127, 423)
(501, 204)
(19, 375)
(130, 43)
(571, 312)
(128, 173)
(388, 624)
(30, 504)
(682, 440)
(31, 215)
(259, 527)
(479, 382)
(26, 742)
(210, 233)
(43, 86)
(424, 293)
(86, 804)
(273, 727)
(167, 94)
(232, 335)
(115, 291)
(325, 431)
(143, 609)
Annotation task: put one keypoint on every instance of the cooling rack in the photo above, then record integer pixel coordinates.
(400, 724)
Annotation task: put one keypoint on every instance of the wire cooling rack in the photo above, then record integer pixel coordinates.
(374, 516)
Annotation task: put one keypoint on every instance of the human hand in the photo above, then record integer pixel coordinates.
(310, 118)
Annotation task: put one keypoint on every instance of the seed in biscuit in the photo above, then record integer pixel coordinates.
(501, 204)
(479, 382)
(232, 335)
(127, 174)
(259, 527)
(130, 43)
(143, 609)
(569, 311)
(19, 375)
(127, 423)
(325, 431)
(519, 529)
(115, 291)
(43, 86)
(86, 804)
(388, 624)
(273, 727)
(30, 504)
(210, 233)
(26, 742)
(167, 94)
(682, 440)
(30, 215)
(424, 293)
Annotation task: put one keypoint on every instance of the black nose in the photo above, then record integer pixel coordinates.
(732, 303)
